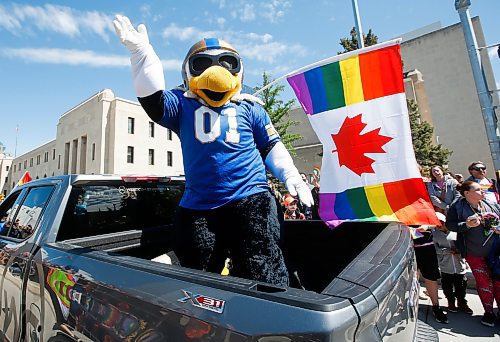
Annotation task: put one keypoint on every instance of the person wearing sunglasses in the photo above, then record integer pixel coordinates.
(228, 141)
(477, 172)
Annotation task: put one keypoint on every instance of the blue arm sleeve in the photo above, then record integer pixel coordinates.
(265, 135)
(172, 102)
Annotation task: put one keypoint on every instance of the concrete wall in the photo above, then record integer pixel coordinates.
(5, 165)
(441, 56)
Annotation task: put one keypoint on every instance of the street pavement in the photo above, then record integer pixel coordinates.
(461, 327)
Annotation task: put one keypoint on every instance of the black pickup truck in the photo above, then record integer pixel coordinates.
(76, 261)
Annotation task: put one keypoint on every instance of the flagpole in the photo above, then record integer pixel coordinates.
(271, 84)
(357, 22)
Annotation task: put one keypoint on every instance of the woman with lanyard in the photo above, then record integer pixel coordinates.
(473, 218)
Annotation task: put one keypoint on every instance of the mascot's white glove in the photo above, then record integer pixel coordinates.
(280, 163)
(147, 71)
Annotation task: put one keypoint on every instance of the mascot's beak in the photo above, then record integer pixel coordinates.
(216, 85)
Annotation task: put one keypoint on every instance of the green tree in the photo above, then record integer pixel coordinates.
(426, 152)
(350, 44)
(279, 111)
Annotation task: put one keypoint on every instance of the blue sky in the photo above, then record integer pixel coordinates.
(54, 55)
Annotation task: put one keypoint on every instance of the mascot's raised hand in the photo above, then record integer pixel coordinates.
(147, 71)
(130, 37)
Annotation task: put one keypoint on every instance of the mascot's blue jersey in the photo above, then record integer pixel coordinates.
(220, 148)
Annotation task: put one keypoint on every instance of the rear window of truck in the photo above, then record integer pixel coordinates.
(110, 208)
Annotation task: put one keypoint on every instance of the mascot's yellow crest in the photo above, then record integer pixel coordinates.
(213, 70)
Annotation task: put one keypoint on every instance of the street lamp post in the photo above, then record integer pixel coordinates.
(357, 22)
(462, 6)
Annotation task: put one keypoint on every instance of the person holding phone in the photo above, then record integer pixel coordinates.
(467, 216)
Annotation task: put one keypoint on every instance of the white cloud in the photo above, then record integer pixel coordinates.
(260, 47)
(78, 57)
(274, 10)
(67, 56)
(8, 21)
(185, 33)
(48, 18)
(171, 64)
(220, 3)
(264, 38)
(220, 21)
(97, 23)
(52, 18)
(247, 13)
(211, 20)
(271, 52)
(274, 71)
(145, 10)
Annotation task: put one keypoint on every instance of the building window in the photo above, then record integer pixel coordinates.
(38, 160)
(7, 168)
(130, 154)
(54, 154)
(169, 134)
(19, 167)
(151, 129)
(131, 124)
(14, 167)
(93, 151)
(151, 156)
(25, 164)
(59, 162)
(31, 162)
(169, 158)
(46, 157)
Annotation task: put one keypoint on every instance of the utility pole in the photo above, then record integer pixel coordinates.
(485, 100)
(357, 22)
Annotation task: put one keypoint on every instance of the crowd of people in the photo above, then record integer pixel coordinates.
(292, 208)
(468, 237)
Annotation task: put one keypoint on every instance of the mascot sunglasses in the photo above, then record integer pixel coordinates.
(200, 62)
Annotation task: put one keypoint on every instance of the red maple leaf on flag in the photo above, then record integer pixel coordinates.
(352, 145)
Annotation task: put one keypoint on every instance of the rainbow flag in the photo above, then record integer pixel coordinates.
(415, 234)
(24, 179)
(356, 104)
(317, 172)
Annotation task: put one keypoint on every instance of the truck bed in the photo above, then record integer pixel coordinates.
(314, 253)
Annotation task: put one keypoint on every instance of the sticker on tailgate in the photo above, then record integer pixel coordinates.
(203, 302)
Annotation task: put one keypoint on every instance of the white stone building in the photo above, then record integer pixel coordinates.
(5, 165)
(103, 135)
